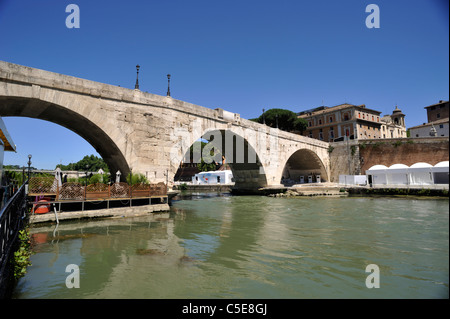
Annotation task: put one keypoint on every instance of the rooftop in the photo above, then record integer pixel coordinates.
(326, 109)
(440, 102)
(441, 121)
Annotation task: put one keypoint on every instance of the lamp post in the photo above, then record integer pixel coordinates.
(29, 166)
(136, 86)
(168, 84)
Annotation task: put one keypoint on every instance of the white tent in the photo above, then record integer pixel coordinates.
(420, 174)
(378, 175)
(440, 173)
(397, 174)
(213, 177)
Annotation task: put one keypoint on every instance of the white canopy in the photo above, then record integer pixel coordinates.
(440, 167)
(417, 174)
(376, 168)
(378, 173)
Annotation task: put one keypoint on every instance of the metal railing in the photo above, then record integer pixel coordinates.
(12, 218)
(46, 186)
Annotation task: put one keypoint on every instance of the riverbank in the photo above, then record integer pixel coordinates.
(340, 190)
(368, 191)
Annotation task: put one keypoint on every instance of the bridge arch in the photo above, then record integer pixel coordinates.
(240, 154)
(86, 124)
(303, 162)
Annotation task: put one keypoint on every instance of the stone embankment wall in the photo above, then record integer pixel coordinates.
(355, 157)
(344, 159)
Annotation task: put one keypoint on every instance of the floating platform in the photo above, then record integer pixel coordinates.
(118, 212)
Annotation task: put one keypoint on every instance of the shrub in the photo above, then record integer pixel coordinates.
(137, 178)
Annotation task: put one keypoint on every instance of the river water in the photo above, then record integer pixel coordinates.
(223, 246)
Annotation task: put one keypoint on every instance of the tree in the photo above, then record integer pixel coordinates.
(210, 163)
(286, 120)
(92, 162)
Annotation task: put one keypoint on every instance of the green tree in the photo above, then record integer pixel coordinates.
(207, 160)
(92, 162)
(287, 120)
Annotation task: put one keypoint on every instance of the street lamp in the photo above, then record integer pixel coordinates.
(29, 166)
(168, 84)
(136, 86)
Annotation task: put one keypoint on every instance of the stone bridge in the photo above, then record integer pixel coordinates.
(151, 134)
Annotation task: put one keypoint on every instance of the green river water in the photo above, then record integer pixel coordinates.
(213, 246)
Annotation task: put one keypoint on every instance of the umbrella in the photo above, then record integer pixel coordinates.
(57, 181)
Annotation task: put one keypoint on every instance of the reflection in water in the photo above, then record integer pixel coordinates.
(249, 247)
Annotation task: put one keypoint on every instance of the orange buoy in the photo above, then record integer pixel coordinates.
(42, 208)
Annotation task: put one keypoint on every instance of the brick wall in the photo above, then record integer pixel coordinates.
(357, 156)
(403, 151)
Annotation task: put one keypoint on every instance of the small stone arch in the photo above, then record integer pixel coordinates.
(303, 162)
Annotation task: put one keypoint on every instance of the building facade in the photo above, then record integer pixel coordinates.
(393, 126)
(437, 111)
(438, 121)
(355, 121)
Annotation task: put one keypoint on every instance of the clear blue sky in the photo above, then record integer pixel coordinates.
(242, 56)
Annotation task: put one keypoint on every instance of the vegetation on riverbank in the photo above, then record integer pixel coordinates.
(21, 258)
(399, 191)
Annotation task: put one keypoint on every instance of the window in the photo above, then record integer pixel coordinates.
(331, 119)
(438, 115)
(320, 122)
(441, 125)
(373, 119)
(320, 134)
(310, 134)
(331, 134)
(309, 124)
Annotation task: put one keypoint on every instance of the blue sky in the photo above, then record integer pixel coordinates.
(242, 56)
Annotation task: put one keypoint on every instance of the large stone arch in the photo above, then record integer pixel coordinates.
(303, 162)
(81, 119)
(243, 159)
